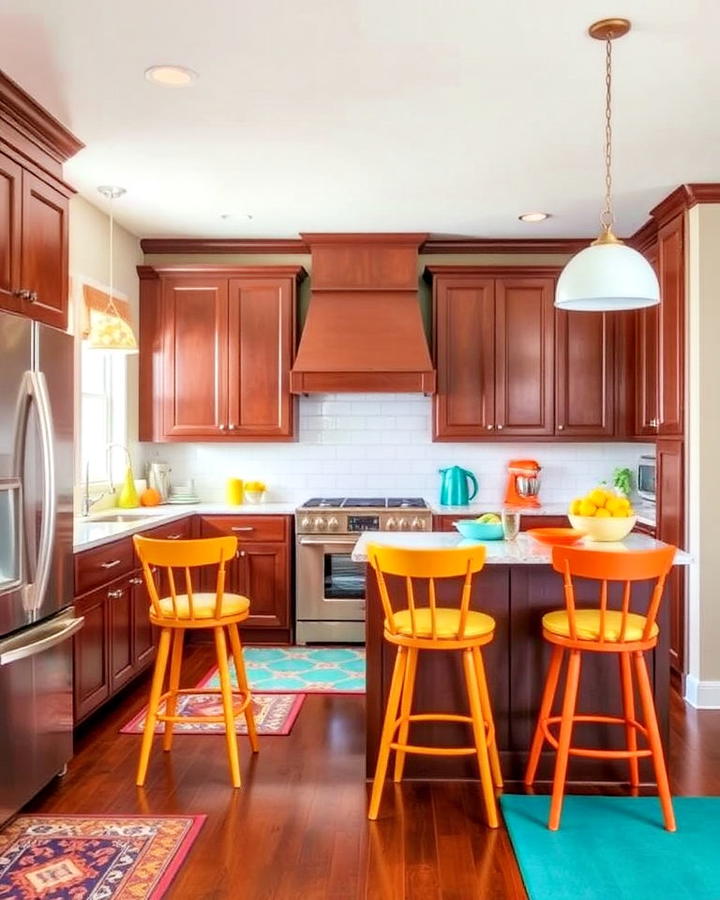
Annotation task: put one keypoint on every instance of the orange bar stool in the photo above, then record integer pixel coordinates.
(431, 627)
(602, 629)
(174, 615)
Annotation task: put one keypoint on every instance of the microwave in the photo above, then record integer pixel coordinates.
(646, 478)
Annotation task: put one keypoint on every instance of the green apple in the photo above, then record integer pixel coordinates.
(489, 519)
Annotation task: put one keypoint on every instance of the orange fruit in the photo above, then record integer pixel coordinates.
(150, 497)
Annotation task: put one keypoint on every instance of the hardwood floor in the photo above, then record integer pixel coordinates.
(298, 828)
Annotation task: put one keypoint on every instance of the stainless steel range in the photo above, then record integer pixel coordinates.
(330, 587)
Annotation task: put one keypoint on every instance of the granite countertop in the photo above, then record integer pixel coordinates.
(522, 551)
(90, 532)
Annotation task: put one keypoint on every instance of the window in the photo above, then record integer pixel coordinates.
(103, 415)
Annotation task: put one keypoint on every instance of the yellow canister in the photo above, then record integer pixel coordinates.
(234, 491)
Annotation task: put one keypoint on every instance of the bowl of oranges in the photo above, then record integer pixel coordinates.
(603, 515)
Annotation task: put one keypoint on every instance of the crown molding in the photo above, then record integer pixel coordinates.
(31, 121)
(683, 198)
(151, 273)
(223, 245)
(430, 272)
(503, 245)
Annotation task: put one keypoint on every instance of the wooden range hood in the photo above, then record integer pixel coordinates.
(364, 329)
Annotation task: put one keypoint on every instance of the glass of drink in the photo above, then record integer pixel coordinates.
(510, 523)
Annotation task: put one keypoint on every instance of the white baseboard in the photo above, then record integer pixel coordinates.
(702, 694)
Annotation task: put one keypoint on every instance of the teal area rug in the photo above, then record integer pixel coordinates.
(616, 847)
(307, 670)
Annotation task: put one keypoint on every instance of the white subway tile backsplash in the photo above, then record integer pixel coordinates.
(382, 444)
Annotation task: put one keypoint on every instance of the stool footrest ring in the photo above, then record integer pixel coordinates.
(434, 751)
(592, 753)
(238, 708)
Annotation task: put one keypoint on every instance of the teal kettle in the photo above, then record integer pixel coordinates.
(454, 489)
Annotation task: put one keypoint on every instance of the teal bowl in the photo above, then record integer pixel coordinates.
(479, 531)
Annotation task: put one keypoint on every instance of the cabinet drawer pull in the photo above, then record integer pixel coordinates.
(222, 426)
(240, 553)
(489, 427)
(231, 427)
(136, 581)
(499, 427)
(173, 537)
(242, 528)
(32, 296)
(111, 564)
(115, 595)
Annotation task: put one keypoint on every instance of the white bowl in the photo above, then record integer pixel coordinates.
(604, 529)
(254, 496)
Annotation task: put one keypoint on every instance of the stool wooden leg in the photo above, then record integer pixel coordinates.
(405, 709)
(227, 701)
(481, 743)
(548, 698)
(648, 705)
(488, 717)
(174, 684)
(243, 685)
(628, 698)
(387, 732)
(566, 726)
(153, 703)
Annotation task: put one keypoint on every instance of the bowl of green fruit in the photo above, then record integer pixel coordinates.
(487, 527)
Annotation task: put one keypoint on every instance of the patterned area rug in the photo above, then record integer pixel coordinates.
(274, 714)
(93, 857)
(310, 670)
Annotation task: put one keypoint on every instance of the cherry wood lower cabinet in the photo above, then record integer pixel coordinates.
(116, 643)
(445, 523)
(516, 662)
(260, 571)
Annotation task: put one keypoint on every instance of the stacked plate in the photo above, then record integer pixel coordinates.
(183, 493)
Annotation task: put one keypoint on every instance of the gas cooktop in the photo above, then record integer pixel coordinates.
(365, 503)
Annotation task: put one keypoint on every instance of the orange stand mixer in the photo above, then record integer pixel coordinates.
(523, 483)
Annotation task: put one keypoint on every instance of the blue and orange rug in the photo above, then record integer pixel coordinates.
(307, 670)
(274, 714)
(93, 857)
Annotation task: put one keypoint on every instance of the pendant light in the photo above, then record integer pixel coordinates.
(110, 328)
(608, 275)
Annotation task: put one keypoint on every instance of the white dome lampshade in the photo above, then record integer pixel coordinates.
(605, 277)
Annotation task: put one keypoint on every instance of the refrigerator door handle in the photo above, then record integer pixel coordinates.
(34, 390)
(53, 637)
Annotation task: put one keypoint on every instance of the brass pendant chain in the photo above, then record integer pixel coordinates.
(607, 219)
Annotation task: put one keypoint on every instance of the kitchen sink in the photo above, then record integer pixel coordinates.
(119, 517)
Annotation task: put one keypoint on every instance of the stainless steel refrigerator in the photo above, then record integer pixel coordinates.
(37, 620)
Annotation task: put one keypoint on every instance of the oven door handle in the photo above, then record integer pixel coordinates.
(318, 542)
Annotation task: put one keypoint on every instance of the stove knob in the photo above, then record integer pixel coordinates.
(305, 522)
(319, 524)
(402, 525)
(417, 524)
(333, 524)
(390, 525)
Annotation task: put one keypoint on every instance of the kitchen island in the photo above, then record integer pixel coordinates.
(517, 587)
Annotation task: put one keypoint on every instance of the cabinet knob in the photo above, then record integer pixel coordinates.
(136, 581)
(499, 427)
(489, 427)
(115, 595)
(32, 296)
(561, 427)
(222, 426)
(231, 427)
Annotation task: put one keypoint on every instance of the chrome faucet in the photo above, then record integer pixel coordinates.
(87, 500)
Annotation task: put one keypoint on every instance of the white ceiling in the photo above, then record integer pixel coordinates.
(372, 115)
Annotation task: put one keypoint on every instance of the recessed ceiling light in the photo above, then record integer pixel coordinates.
(236, 215)
(534, 217)
(171, 76)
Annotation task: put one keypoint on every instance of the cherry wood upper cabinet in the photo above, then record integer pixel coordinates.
(195, 355)
(260, 348)
(494, 349)
(10, 208)
(465, 354)
(33, 208)
(524, 352)
(44, 251)
(584, 374)
(216, 345)
(671, 267)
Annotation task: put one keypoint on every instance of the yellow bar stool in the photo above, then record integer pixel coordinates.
(174, 615)
(418, 627)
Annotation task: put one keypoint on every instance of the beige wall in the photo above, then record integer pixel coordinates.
(89, 253)
(704, 441)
